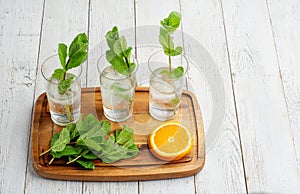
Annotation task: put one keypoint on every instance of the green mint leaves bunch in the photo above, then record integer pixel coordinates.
(69, 59)
(168, 26)
(91, 139)
(118, 54)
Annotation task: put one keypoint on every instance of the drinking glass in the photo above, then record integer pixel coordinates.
(117, 90)
(64, 108)
(165, 88)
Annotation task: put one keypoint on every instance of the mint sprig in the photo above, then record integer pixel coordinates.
(91, 139)
(69, 59)
(168, 26)
(119, 53)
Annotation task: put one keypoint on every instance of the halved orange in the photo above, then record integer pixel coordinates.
(171, 141)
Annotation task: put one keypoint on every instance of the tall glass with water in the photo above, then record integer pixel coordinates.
(64, 107)
(117, 91)
(165, 89)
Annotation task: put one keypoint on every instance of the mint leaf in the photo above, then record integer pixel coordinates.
(128, 52)
(176, 52)
(129, 143)
(120, 46)
(64, 85)
(77, 55)
(125, 97)
(131, 68)
(79, 44)
(105, 126)
(118, 92)
(115, 155)
(111, 37)
(125, 135)
(174, 19)
(72, 130)
(93, 142)
(169, 25)
(118, 54)
(84, 163)
(178, 72)
(68, 151)
(117, 88)
(165, 72)
(131, 151)
(77, 59)
(96, 131)
(85, 125)
(164, 33)
(117, 62)
(54, 138)
(163, 41)
(174, 101)
(111, 140)
(172, 22)
(90, 156)
(62, 53)
(60, 143)
(58, 74)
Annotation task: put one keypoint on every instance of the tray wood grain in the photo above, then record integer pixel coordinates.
(144, 166)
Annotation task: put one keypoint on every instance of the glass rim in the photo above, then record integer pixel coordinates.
(103, 57)
(156, 75)
(48, 79)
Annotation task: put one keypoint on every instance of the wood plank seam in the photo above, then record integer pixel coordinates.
(33, 97)
(234, 96)
(281, 81)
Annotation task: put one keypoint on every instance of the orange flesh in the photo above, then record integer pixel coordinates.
(171, 139)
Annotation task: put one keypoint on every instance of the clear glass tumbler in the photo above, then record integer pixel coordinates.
(64, 108)
(165, 87)
(117, 91)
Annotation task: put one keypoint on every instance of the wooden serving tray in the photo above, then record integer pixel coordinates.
(144, 166)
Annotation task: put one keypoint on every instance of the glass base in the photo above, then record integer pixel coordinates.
(117, 115)
(63, 119)
(162, 114)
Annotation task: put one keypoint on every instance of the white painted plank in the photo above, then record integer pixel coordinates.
(268, 149)
(149, 14)
(101, 21)
(62, 21)
(19, 40)
(148, 19)
(103, 16)
(181, 185)
(285, 18)
(203, 21)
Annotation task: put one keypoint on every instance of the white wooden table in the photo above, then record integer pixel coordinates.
(255, 45)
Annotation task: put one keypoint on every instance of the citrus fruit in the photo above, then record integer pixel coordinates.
(170, 141)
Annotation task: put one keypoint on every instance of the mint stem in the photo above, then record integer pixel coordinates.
(74, 159)
(170, 62)
(65, 73)
(51, 161)
(69, 113)
(127, 63)
(45, 152)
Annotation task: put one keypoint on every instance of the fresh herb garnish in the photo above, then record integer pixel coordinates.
(76, 55)
(91, 139)
(118, 54)
(168, 26)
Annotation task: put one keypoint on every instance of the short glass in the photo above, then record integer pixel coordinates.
(117, 90)
(64, 108)
(165, 91)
